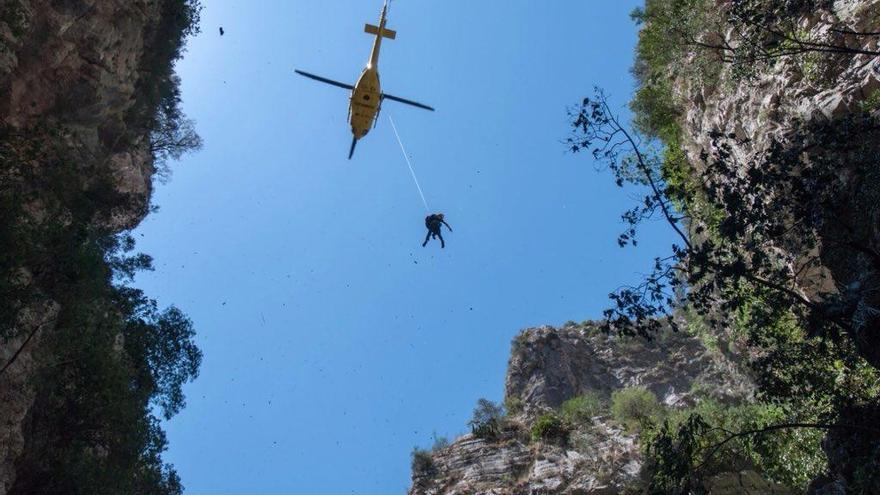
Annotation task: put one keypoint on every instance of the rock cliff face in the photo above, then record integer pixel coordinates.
(789, 92)
(549, 366)
(825, 107)
(604, 460)
(77, 67)
(792, 102)
(78, 64)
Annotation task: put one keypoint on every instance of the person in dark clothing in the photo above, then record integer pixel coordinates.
(433, 223)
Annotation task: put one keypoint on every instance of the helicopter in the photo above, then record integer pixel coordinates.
(366, 94)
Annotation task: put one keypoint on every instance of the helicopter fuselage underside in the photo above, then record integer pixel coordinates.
(366, 100)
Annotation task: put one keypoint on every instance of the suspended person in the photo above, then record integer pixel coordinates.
(433, 223)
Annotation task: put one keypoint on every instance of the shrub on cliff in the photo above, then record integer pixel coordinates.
(513, 405)
(666, 25)
(550, 427)
(95, 429)
(635, 406)
(158, 89)
(871, 103)
(583, 408)
(422, 463)
(488, 420)
(111, 363)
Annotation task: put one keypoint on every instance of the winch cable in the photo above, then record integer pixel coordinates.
(409, 164)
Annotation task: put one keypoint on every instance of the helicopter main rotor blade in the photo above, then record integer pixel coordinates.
(324, 80)
(408, 102)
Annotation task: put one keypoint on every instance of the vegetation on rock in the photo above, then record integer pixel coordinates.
(422, 463)
(635, 407)
(488, 420)
(550, 427)
(583, 408)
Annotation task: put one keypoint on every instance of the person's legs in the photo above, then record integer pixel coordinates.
(442, 242)
(427, 238)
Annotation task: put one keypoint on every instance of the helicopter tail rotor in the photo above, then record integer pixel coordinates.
(354, 142)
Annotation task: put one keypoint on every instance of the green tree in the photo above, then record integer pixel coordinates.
(488, 420)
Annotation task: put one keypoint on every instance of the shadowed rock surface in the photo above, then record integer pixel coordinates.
(795, 102)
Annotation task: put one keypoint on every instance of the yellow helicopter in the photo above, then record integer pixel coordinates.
(366, 95)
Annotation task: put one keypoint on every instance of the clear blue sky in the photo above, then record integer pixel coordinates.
(333, 341)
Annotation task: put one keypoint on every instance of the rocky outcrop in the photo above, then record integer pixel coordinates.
(600, 460)
(549, 366)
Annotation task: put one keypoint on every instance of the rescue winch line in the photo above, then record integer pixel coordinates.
(409, 164)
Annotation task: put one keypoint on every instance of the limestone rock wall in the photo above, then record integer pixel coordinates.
(77, 64)
(599, 461)
(548, 366)
(815, 91)
(73, 65)
(771, 106)
(768, 107)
